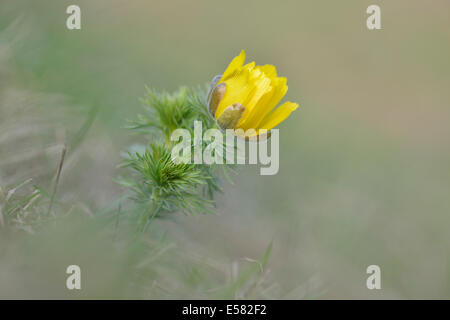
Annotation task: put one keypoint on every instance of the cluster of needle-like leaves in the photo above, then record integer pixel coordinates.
(158, 184)
(167, 112)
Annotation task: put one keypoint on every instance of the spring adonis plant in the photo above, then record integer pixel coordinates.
(242, 101)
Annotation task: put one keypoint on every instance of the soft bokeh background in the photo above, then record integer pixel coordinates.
(365, 161)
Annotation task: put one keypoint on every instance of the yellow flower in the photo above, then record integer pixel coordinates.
(245, 97)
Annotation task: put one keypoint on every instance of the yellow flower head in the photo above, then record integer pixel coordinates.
(245, 97)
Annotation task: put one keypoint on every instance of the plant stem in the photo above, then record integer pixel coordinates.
(58, 174)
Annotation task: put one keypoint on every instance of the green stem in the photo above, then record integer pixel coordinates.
(148, 217)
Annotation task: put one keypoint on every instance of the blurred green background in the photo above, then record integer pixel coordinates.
(364, 162)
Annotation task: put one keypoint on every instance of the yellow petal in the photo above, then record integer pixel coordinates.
(280, 90)
(252, 116)
(237, 88)
(234, 65)
(278, 115)
(260, 87)
(269, 70)
(265, 104)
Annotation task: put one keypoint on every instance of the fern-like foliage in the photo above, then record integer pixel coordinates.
(158, 184)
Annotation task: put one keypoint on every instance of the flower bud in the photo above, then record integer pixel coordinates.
(231, 116)
(215, 96)
(215, 81)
